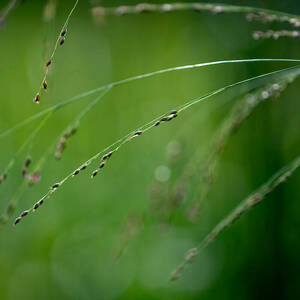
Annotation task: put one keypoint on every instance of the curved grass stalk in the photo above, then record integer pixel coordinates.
(130, 79)
(55, 48)
(255, 13)
(39, 165)
(237, 116)
(203, 171)
(150, 125)
(239, 211)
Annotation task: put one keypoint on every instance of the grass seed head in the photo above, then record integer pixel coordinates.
(36, 206)
(17, 220)
(63, 32)
(75, 172)
(45, 85)
(37, 98)
(191, 254)
(55, 186)
(94, 173)
(107, 155)
(24, 213)
(27, 162)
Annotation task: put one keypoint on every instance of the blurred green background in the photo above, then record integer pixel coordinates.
(69, 248)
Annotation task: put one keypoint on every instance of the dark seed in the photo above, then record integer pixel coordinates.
(24, 171)
(24, 213)
(76, 172)
(165, 119)
(107, 155)
(63, 32)
(36, 206)
(94, 173)
(138, 132)
(83, 167)
(37, 98)
(45, 85)
(18, 219)
(101, 165)
(62, 40)
(156, 123)
(174, 112)
(27, 162)
(55, 186)
(48, 63)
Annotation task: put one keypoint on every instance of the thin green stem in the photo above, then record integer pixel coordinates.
(130, 79)
(56, 44)
(150, 125)
(39, 165)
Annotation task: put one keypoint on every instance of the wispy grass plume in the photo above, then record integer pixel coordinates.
(110, 150)
(252, 13)
(37, 168)
(240, 112)
(239, 211)
(59, 41)
(27, 142)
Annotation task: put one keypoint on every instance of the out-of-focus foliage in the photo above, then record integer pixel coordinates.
(106, 238)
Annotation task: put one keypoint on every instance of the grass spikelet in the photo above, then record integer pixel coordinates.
(239, 211)
(63, 142)
(237, 116)
(252, 13)
(59, 41)
(34, 177)
(107, 155)
(27, 142)
(94, 173)
(3, 177)
(267, 16)
(258, 35)
(118, 144)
